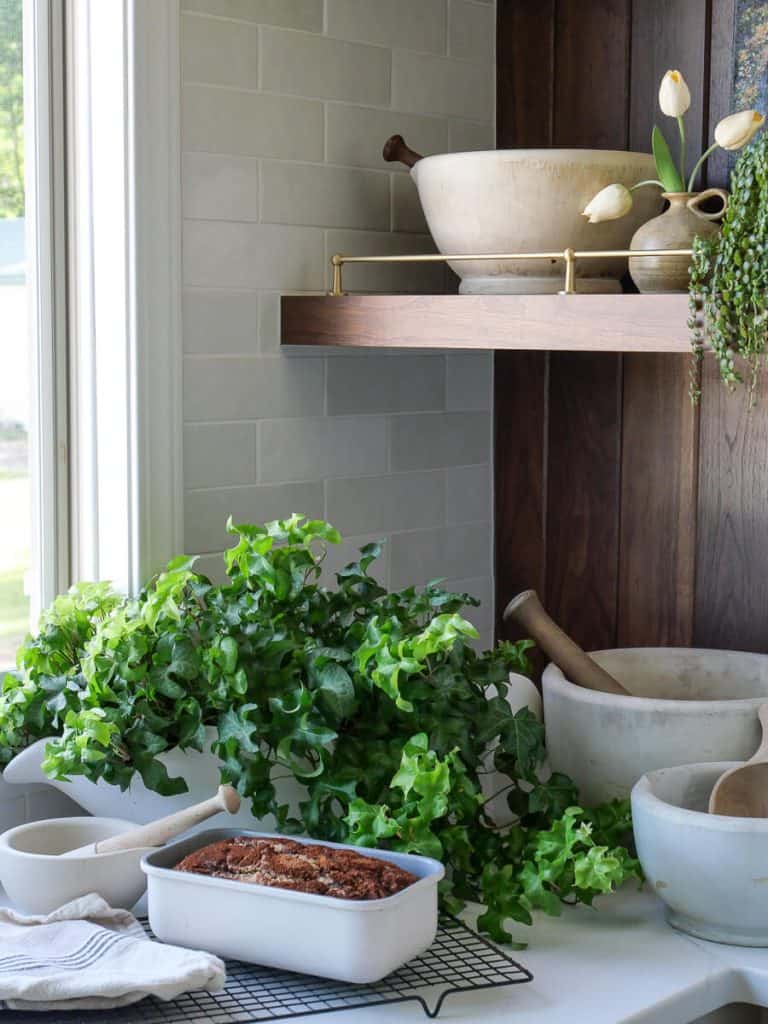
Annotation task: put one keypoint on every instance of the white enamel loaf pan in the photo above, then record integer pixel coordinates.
(358, 941)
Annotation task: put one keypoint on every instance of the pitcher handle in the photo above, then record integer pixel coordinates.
(693, 203)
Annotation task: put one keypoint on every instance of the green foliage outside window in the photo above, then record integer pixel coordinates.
(11, 111)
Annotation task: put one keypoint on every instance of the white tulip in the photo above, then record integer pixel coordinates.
(610, 203)
(674, 94)
(736, 130)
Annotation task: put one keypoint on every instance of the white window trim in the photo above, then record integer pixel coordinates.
(43, 33)
(126, 327)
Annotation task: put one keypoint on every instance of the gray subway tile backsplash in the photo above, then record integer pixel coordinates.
(283, 121)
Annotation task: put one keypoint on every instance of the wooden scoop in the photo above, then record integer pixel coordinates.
(157, 833)
(395, 150)
(743, 792)
(527, 611)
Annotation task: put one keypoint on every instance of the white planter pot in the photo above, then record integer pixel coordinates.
(686, 706)
(530, 200)
(20, 804)
(201, 773)
(137, 803)
(709, 870)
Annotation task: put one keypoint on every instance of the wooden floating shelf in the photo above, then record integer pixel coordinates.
(557, 323)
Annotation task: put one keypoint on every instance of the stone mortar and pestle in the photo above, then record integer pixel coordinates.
(701, 830)
(45, 864)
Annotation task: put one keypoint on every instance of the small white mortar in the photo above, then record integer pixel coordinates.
(38, 880)
(710, 871)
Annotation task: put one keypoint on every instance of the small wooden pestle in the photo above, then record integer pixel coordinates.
(527, 611)
(396, 150)
(742, 792)
(157, 833)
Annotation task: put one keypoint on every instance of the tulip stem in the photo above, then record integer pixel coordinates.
(697, 166)
(681, 128)
(649, 181)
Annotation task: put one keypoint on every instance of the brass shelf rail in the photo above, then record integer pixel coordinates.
(569, 256)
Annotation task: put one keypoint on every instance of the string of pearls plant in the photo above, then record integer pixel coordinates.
(729, 278)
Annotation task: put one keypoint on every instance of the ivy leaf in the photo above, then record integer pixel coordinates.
(155, 776)
(336, 690)
(235, 726)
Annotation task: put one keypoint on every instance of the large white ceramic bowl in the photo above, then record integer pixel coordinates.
(710, 871)
(687, 706)
(530, 200)
(38, 880)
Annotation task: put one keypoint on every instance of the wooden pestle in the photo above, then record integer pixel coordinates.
(157, 833)
(527, 611)
(396, 150)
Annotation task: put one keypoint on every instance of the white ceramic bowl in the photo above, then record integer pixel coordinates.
(710, 871)
(688, 706)
(39, 881)
(530, 200)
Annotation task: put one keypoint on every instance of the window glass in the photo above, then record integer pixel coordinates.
(15, 350)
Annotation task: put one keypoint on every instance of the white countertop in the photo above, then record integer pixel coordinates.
(616, 965)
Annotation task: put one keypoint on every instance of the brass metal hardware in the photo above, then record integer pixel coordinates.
(569, 256)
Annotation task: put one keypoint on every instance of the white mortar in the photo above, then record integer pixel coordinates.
(687, 706)
(530, 200)
(710, 871)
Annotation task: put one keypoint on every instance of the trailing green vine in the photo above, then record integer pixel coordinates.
(729, 278)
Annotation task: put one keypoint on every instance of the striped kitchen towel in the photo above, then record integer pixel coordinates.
(86, 955)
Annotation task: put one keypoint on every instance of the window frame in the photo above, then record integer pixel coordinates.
(46, 284)
(125, 324)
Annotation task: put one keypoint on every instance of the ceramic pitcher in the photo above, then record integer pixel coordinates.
(673, 229)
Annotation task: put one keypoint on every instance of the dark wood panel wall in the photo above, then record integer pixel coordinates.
(639, 519)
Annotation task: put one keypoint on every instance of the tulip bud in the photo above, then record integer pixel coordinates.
(674, 94)
(736, 130)
(610, 203)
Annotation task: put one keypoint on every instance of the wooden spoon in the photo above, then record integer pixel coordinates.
(157, 833)
(395, 149)
(743, 792)
(577, 666)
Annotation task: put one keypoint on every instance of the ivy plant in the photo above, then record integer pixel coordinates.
(729, 277)
(374, 701)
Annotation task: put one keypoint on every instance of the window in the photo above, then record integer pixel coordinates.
(90, 357)
(33, 494)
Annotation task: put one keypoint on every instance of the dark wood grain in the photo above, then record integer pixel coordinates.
(524, 90)
(657, 554)
(732, 557)
(520, 403)
(525, 73)
(592, 41)
(620, 323)
(732, 570)
(658, 503)
(720, 87)
(668, 35)
(583, 496)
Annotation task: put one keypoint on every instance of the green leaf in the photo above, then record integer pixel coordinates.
(336, 689)
(668, 173)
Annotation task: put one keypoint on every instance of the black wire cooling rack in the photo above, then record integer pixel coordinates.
(459, 960)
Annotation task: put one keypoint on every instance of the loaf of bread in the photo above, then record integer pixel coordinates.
(286, 864)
